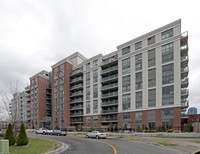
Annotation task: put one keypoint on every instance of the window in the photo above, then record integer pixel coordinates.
(138, 62)
(87, 65)
(126, 66)
(126, 102)
(151, 40)
(95, 62)
(138, 104)
(126, 84)
(168, 95)
(151, 119)
(88, 78)
(138, 81)
(95, 91)
(87, 92)
(152, 98)
(138, 45)
(95, 76)
(167, 52)
(167, 117)
(62, 70)
(126, 120)
(138, 115)
(95, 106)
(168, 74)
(88, 120)
(152, 77)
(166, 34)
(151, 57)
(126, 50)
(87, 107)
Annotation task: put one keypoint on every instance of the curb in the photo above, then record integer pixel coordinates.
(61, 149)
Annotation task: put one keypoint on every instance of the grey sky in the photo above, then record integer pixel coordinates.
(35, 34)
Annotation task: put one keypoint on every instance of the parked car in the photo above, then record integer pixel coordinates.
(96, 134)
(58, 133)
(40, 131)
(49, 131)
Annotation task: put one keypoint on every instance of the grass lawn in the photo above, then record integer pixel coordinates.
(35, 146)
(176, 137)
(167, 144)
(195, 141)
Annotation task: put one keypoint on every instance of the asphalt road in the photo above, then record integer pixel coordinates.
(81, 145)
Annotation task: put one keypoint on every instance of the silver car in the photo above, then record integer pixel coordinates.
(96, 134)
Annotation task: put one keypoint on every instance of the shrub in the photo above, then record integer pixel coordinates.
(22, 138)
(190, 128)
(164, 128)
(170, 130)
(159, 128)
(10, 135)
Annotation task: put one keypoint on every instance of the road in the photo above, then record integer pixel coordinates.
(81, 145)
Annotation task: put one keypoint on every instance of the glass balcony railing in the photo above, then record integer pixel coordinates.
(115, 93)
(184, 91)
(77, 107)
(77, 71)
(104, 103)
(77, 100)
(109, 86)
(76, 121)
(109, 77)
(109, 69)
(76, 114)
(109, 111)
(109, 119)
(77, 79)
(185, 47)
(77, 86)
(184, 69)
(184, 58)
(109, 60)
(77, 93)
(184, 102)
(185, 80)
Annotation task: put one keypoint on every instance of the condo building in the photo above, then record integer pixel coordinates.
(40, 100)
(144, 82)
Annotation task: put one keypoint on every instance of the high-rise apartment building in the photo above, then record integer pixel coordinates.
(40, 100)
(192, 111)
(28, 107)
(143, 82)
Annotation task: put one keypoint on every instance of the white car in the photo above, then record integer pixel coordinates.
(49, 131)
(40, 131)
(96, 134)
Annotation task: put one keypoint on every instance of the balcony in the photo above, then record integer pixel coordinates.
(79, 100)
(112, 111)
(184, 50)
(111, 94)
(77, 72)
(184, 92)
(48, 97)
(184, 115)
(75, 94)
(110, 78)
(109, 86)
(184, 71)
(109, 103)
(76, 114)
(184, 61)
(78, 79)
(77, 121)
(184, 103)
(77, 86)
(114, 119)
(184, 82)
(77, 107)
(184, 38)
(110, 61)
(110, 69)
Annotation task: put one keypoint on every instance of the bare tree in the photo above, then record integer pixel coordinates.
(9, 109)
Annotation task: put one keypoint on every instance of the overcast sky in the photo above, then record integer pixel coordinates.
(35, 34)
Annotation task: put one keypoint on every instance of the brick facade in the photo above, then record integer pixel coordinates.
(158, 117)
(120, 123)
(145, 118)
(177, 118)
